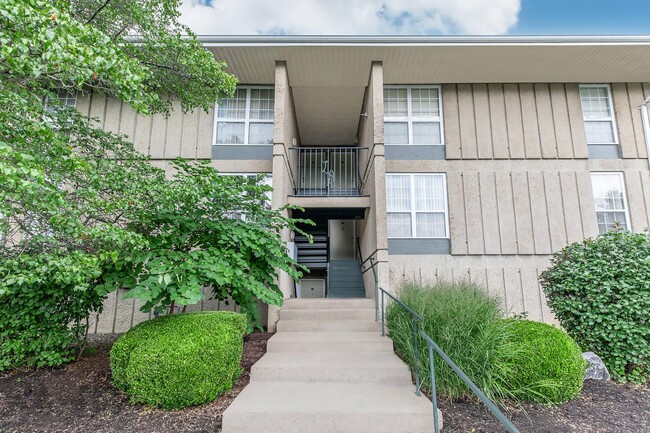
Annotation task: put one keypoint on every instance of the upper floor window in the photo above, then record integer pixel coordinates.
(412, 115)
(416, 205)
(247, 117)
(609, 198)
(598, 114)
(64, 96)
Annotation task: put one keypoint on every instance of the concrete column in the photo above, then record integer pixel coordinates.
(285, 136)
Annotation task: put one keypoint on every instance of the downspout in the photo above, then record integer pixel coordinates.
(646, 125)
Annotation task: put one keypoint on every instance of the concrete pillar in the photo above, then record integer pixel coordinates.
(285, 136)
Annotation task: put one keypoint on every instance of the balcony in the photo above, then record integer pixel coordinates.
(327, 171)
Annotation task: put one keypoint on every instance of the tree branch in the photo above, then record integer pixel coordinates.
(94, 15)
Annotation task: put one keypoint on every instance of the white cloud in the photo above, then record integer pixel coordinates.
(350, 17)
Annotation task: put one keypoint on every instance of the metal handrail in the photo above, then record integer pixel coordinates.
(374, 272)
(432, 346)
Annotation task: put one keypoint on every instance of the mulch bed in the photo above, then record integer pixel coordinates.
(79, 397)
(602, 407)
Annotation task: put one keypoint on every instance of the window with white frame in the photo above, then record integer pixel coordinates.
(413, 115)
(609, 198)
(598, 114)
(266, 180)
(66, 97)
(247, 117)
(416, 205)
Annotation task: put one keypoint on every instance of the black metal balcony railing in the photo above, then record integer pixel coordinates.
(327, 171)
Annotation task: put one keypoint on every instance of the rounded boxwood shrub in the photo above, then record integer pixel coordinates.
(544, 364)
(179, 360)
(599, 290)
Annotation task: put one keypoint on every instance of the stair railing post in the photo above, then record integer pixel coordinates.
(434, 400)
(417, 357)
(382, 314)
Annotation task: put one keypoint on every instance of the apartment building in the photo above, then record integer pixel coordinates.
(422, 158)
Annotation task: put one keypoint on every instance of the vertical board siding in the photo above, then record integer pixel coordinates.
(563, 139)
(467, 122)
(119, 315)
(483, 122)
(532, 121)
(623, 114)
(545, 120)
(627, 98)
(489, 211)
(506, 213)
(523, 214)
(517, 287)
(533, 212)
(529, 119)
(187, 135)
(576, 122)
(473, 217)
(452, 125)
(500, 142)
(457, 222)
(514, 121)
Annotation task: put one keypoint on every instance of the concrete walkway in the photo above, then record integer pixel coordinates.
(326, 370)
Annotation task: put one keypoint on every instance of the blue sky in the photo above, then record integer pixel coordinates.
(571, 17)
(417, 17)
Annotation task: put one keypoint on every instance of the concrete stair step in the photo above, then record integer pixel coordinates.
(327, 314)
(334, 342)
(328, 325)
(354, 304)
(292, 407)
(352, 367)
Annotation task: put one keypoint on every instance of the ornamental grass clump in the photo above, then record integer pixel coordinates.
(599, 290)
(510, 359)
(179, 360)
(466, 323)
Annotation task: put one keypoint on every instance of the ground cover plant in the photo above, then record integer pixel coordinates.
(179, 360)
(506, 358)
(599, 290)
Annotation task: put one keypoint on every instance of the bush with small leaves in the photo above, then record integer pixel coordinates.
(544, 364)
(599, 290)
(179, 360)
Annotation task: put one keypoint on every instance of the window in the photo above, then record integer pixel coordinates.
(598, 114)
(66, 97)
(609, 198)
(246, 118)
(413, 115)
(416, 205)
(267, 180)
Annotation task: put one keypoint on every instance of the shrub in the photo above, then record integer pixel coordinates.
(466, 323)
(45, 299)
(545, 366)
(179, 360)
(599, 290)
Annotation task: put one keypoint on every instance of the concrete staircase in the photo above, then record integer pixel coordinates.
(327, 370)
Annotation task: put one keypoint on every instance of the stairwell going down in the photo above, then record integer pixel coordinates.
(327, 370)
(345, 280)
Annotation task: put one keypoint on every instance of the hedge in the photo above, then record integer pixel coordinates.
(179, 360)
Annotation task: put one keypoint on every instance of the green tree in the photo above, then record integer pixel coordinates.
(79, 206)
